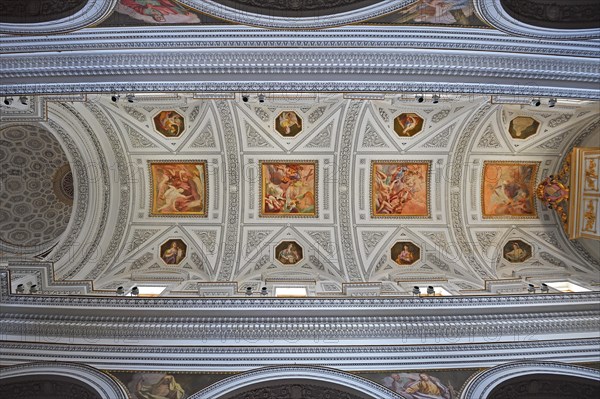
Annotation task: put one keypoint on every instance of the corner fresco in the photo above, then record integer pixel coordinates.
(516, 251)
(434, 12)
(523, 127)
(408, 124)
(178, 188)
(423, 384)
(169, 123)
(405, 253)
(165, 385)
(288, 189)
(400, 188)
(508, 190)
(289, 252)
(288, 124)
(173, 251)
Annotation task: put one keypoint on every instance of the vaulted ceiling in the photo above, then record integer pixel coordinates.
(364, 193)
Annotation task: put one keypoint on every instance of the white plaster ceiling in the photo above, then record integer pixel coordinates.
(459, 248)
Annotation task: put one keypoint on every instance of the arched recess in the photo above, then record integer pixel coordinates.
(92, 12)
(295, 378)
(487, 382)
(84, 379)
(492, 12)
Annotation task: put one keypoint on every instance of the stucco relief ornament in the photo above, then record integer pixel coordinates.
(554, 194)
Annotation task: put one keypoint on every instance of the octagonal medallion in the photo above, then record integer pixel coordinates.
(173, 251)
(405, 253)
(169, 123)
(408, 124)
(288, 124)
(523, 127)
(289, 252)
(516, 251)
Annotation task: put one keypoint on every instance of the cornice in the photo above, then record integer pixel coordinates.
(492, 12)
(352, 59)
(91, 13)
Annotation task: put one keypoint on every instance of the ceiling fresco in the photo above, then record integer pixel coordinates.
(224, 194)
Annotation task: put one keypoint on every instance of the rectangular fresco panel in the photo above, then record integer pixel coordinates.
(400, 188)
(429, 384)
(433, 12)
(288, 189)
(178, 188)
(508, 190)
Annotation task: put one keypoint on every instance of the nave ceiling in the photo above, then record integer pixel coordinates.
(341, 152)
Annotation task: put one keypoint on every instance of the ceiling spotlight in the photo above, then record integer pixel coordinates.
(8, 100)
(33, 289)
(552, 102)
(120, 291)
(135, 291)
(531, 289)
(261, 98)
(416, 290)
(130, 98)
(435, 99)
(419, 98)
(115, 97)
(263, 291)
(23, 100)
(245, 98)
(430, 290)
(20, 289)
(248, 290)
(545, 289)
(536, 102)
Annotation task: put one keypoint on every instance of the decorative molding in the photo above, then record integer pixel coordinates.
(91, 13)
(551, 75)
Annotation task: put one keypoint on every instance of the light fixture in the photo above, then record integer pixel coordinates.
(245, 98)
(120, 291)
(135, 291)
(20, 289)
(8, 100)
(419, 98)
(263, 291)
(435, 98)
(130, 98)
(114, 98)
(261, 98)
(248, 290)
(536, 102)
(545, 289)
(531, 289)
(552, 102)
(23, 100)
(430, 290)
(33, 289)
(416, 290)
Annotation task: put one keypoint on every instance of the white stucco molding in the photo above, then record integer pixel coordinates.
(92, 12)
(342, 60)
(492, 12)
(275, 22)
(95, 380)
(483, 384)
(296, 373)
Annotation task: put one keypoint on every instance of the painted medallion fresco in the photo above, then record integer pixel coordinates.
(173, 251)
(405, 253)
